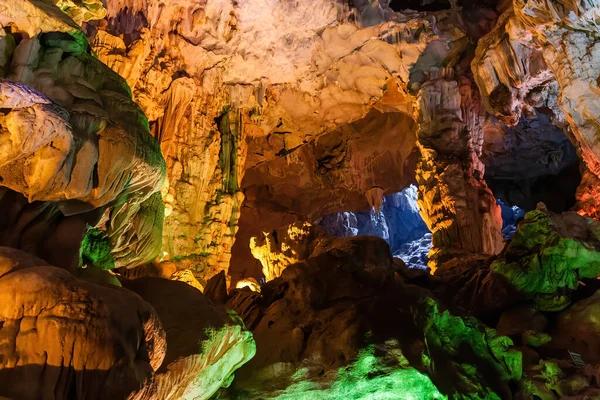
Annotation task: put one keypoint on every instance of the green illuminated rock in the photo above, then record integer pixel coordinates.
(96, 250)
(541, 380)
(548, 256)
(469, 360)
(206, 343)
(372, 376)
(342, 325)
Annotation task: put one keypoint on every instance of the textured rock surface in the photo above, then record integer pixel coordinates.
(66, 338)
(544, 262)
(454, 200)
(283, 247)
(205, 343)
(541, 56)
(331, 324)
(72, 135)
(577, 329)
(273, 113)
(236, 92)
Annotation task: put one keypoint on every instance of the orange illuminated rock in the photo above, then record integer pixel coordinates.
(454, 200)
(62, 336)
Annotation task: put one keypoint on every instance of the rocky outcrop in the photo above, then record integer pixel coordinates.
(74, 137)
(66, 338)
(543, 263)
(454, 200)
(577, 329)
(205, 343)
(588, 195)
(69, 338)
(284, 246)
(548, 256)
(540, 56)
(342, 320)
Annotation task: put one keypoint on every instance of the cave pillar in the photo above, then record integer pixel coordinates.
(455, 202)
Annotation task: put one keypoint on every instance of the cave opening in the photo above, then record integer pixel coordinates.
(531, 162)
(398, 222)
(401, 225)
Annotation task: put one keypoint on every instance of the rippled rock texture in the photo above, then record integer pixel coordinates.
(75, 145)
(80, 177)
(65, 338)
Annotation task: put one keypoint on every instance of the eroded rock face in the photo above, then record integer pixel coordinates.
(72, 134)
(67, 338)
(577, 329)
(454, 200)
(276, 108)
(541, 55)
(285, 246)
(205, 342)
(547, 169)
(544, 262)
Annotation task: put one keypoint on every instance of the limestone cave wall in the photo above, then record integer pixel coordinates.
(182, 183)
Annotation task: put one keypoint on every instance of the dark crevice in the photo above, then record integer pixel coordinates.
(420, 5)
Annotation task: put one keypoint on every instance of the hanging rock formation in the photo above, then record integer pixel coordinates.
(541, 56)
(80, 178)
(241, 127)
(74, 137)
(233, 112)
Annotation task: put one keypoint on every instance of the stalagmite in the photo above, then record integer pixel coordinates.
(172, 173)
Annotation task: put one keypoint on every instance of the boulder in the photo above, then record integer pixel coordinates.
(578, 329)
(343, 321)
(205, 342)
(65, 338)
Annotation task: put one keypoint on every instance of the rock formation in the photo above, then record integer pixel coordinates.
(80, 178)
(331, 324)
(65, 338)
(190, 193)
(74, 137)
(457, 205)
(203, 353)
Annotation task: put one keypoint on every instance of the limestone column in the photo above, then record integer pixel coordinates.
(455, 202)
